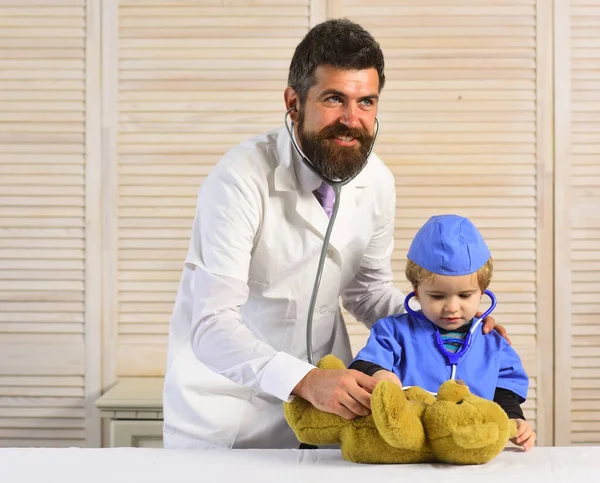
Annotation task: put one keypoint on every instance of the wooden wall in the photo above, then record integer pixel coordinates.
(113, 112)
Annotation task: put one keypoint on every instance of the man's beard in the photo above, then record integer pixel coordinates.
(332, 160)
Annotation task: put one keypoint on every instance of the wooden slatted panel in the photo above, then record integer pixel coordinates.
(194, 79)
(585, 221)
(458, 130)
(42, 239)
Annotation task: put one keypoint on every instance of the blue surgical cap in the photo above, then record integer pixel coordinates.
(449, 245)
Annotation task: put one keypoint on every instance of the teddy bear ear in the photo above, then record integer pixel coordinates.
(453, 390)
(330, 362)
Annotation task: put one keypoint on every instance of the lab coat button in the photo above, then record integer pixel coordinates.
(323, 310)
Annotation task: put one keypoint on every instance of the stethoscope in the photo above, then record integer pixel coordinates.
(337, 188)
(453, 358)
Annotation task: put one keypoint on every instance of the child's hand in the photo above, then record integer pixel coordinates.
(525, 435)
(384, 375)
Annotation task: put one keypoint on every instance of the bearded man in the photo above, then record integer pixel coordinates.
(237, 334)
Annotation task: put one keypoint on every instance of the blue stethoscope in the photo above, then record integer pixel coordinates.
(453, 358)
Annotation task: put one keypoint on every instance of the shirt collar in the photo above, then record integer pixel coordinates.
(463, 329)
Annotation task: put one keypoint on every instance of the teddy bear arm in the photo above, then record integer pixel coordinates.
(476, 435)
(416, 393)
(398, 420)
(311, 425)
(512, 429)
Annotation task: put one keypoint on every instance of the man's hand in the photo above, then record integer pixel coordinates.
(344, 392)
(489, 324)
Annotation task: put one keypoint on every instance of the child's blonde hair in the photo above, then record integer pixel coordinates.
(417, 275)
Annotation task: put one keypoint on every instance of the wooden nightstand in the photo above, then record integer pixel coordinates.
(134, 407)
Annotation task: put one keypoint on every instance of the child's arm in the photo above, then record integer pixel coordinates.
(382, 350)
(509, 401)
(384, 375)
(376, 371)
(369, 368)
(512, 387)
(525, 435)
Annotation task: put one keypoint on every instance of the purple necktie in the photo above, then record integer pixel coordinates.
(326, 196)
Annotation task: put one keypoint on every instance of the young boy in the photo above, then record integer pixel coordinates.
(449, 266)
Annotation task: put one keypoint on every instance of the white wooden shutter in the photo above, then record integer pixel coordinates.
(578, 222)
(42, 237)
(195, 78)
(461, 117)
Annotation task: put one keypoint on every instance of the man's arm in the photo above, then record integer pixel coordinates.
(220, 253)
(224, 344)
(371, 295)
(345, 392)
(227, 220)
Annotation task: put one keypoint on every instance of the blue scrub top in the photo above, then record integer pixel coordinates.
(406, 346)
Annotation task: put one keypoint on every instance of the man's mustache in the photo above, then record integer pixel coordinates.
(339, 130)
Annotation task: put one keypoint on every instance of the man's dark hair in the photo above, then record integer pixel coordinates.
(339, 43)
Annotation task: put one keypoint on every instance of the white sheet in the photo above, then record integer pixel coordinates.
(76, 465)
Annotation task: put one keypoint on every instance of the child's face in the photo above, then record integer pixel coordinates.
(450, 302)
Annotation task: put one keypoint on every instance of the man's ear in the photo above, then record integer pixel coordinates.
(416, 293)
(292, 100)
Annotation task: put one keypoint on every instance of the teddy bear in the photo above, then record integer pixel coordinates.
(408, 426)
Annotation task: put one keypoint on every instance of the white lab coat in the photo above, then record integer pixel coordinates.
(237, 339)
